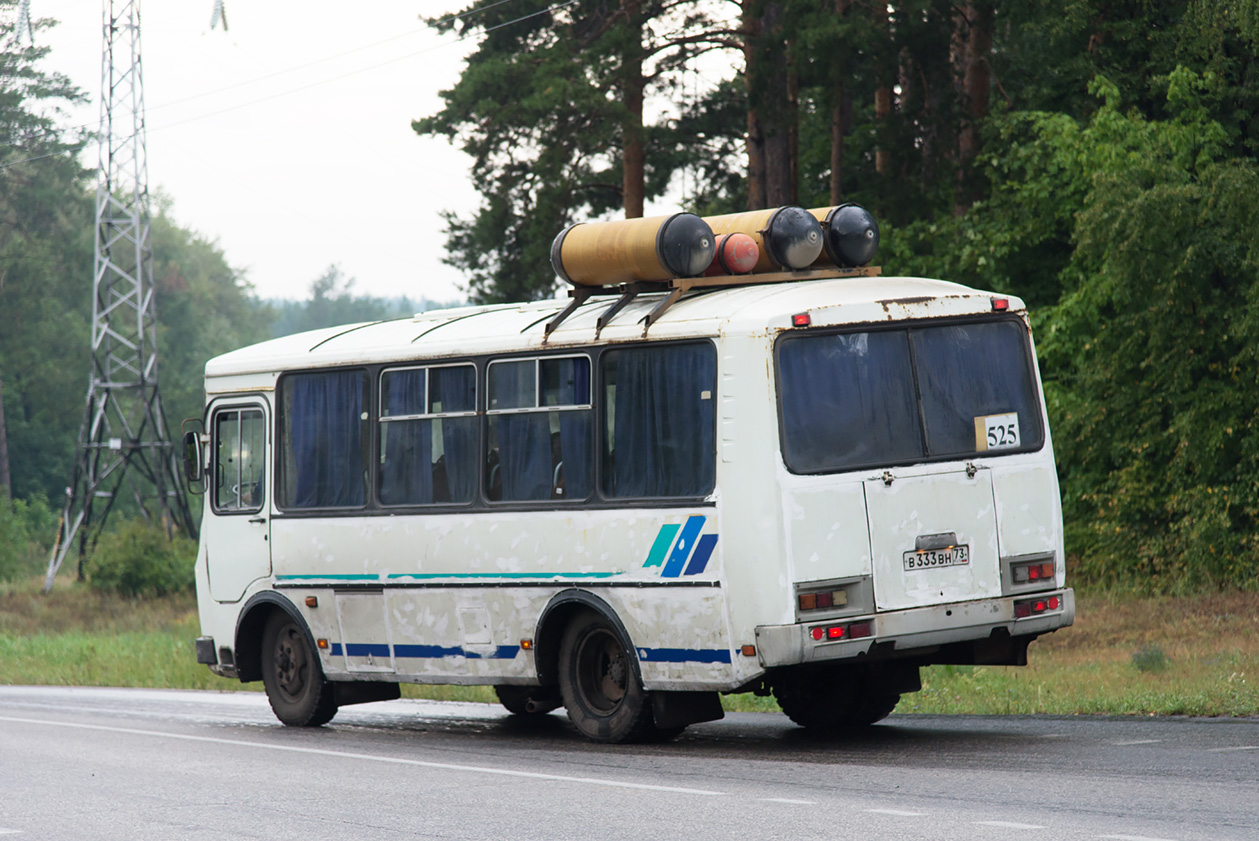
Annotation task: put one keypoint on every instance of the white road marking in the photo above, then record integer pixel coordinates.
(10, 832)
(445, 766)
(1229, 750)
(896, 813)
(1131, 742)
(788, 800)
(1008, 825)
(1132, 838)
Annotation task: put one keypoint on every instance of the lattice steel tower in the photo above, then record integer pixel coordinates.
(124, 444)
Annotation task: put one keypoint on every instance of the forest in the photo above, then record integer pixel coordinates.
(1096, 158)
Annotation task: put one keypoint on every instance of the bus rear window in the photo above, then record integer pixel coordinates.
(899, 396)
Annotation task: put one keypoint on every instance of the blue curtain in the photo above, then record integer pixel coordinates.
(406, 474)
(326, 434)
(456, 389)
(848, 401)
(524, 440)
(663, 433)
(575, 432)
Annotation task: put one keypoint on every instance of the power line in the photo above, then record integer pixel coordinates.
(326, 59)
(314, 84)
(371, 67)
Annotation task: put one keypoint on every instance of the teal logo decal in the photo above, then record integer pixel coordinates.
(681, 549)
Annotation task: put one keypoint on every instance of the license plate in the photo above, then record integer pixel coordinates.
(931, 558)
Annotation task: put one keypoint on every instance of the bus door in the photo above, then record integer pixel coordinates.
(236, 537)
(933, 538)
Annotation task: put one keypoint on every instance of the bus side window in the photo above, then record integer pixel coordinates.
(428, 437)
(659, 436)
(539, 427)
(323, 434)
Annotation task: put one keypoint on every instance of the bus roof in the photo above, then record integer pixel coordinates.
(729, 310)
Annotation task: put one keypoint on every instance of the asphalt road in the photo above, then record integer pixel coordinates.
(78, 763)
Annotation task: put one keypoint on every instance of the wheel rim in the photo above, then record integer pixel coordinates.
(292, 662)
(602, 671)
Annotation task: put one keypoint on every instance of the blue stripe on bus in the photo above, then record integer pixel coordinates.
(682, 549)
(502, 652)
(509, 652)
(356, 649)
(664, 539)
(703, 551)
(426, 576)
(684, 655)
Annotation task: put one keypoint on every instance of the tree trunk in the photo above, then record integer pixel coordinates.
(885, 72)
(976, 80)
(6, 478)
(633, 155)
(773, 109)
(839, 116)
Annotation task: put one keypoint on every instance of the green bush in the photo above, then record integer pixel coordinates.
(138, 560)
(27, 529)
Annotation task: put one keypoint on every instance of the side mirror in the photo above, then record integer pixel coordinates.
(194, 461)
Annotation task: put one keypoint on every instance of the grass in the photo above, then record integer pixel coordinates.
(1196, 655)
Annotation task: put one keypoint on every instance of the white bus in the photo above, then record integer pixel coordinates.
(668, 491)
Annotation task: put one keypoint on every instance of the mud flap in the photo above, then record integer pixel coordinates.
(362, 692)
(678, 709)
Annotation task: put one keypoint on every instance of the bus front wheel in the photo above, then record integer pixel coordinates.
(599, 682)
(299, 695)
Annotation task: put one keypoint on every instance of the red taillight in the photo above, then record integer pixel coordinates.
(1036, 606)
(1000, 304)
(801, 320)
(1040, 571)
(835, 632)
(825, 600)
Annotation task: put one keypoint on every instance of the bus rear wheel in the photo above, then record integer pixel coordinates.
(833, 703)
(599, 683)
(299, 695)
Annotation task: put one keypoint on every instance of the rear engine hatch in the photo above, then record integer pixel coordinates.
(933, 538)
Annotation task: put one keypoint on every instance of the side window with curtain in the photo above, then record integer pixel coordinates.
(323, 439)
(240, 459)
(539, 429)
(428, 435)
(659, 439)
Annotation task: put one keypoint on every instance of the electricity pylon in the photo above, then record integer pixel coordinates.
(124, 442)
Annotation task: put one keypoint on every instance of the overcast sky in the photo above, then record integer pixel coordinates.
(287, 139)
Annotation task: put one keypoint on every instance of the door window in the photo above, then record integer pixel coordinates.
(240, 441)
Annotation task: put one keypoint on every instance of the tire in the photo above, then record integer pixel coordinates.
(299, 695)
(528, 700)
(600, 685)
(834, 703)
